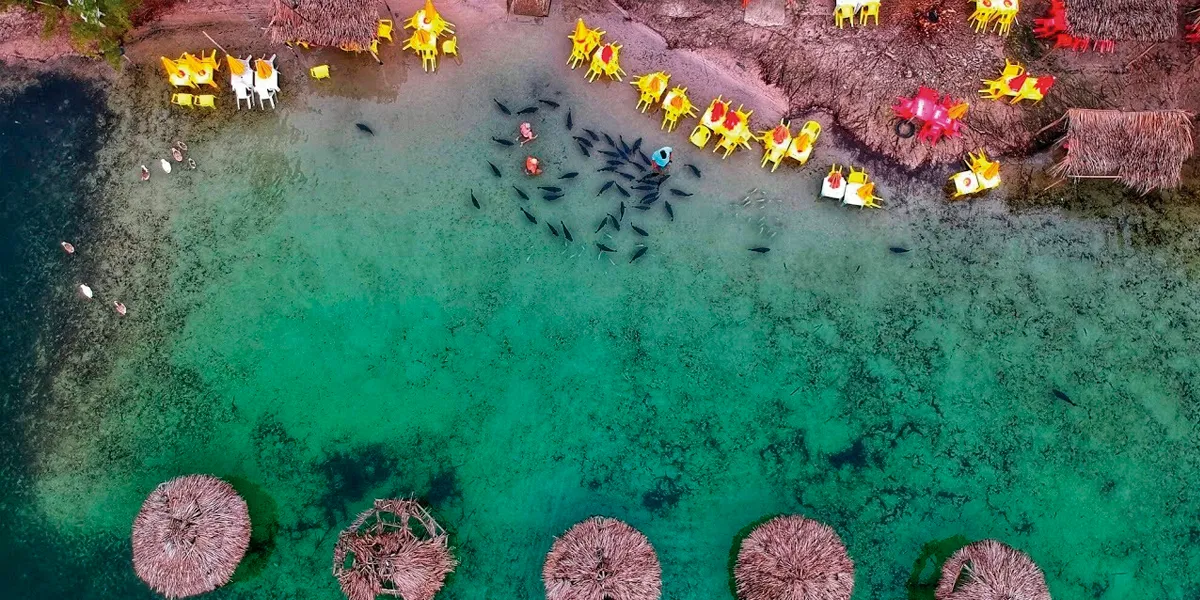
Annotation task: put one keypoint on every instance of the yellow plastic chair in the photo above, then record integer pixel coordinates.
(319, 72)
(429, 60)
(728, 143)
(385, 30)
(206, 101)
(984, 13)
(700, 136)
(450, 48)
(869, 9)
(843, 11)
(182, 100)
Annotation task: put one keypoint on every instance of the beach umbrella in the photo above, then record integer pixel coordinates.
(235, 66)
(381, 554)
(602, 559)
(190, 535)
(990, 570)
(264, 68)
(793, 558)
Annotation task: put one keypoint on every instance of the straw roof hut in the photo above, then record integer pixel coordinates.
(602, 559)
(1135, 20)
(190, 535)
(1145, 150)
(793, 558)
(990, 570)
(336, 23)
(380, 553)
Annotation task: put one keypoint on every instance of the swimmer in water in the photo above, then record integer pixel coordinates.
(191, 163)
(67, 247)
(85, 291)
(527, 134)
(181, 146)
(145, 173)
(532, 167)
(176, 154)
(120, 308)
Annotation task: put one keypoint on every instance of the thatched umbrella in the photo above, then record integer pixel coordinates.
(1140, 20)
(1145, 150)
(190, 535)
(990, 570)
(351, 24)
(793, 558)
(602, 559)
(381, 554)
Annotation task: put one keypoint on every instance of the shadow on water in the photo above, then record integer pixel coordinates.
(928, 566)
(738, 538)
(264, 528)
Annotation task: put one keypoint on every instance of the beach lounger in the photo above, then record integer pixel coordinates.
(266, 87)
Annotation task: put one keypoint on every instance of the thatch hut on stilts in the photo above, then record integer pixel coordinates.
(1117, 20)
(395, 548)
(793, 558)
(1145, 150)
(190, 535)
(602, 559)
(347, 24)
(990, 570)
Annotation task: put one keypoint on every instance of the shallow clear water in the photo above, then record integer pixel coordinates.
(327, 320)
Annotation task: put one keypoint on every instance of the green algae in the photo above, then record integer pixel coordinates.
(927, 568)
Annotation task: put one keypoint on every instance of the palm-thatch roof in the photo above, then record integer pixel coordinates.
(382, 553)
(1137, 20)
(1145, 150)
(602, 559)
(990, 570)
(190, 535)
(336, 23)
(793, 558)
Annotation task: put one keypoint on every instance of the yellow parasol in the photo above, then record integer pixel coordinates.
(235, 66)
(170, 66)
(431, 13)
(581, 31)
(263, 68)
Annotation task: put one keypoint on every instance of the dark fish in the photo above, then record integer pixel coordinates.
(363, 127)
(570, 122)
(582, 140)
(495, 171)
(608, 138)
(644, 187)
(640, 252)
(473, 200)
(521, 193)
(566, 232)
(622, 213)
(502, 142)
(602, 224)
(528, 110)
(637, 144)
(550, 188)
(638, 166)
(605, 187)
(760, 249)
(570, 175)
(626, 176)
(639, 230)
(607, 170)
(615, 162)
(648, 177)
(645, 159)
(503, 108)
(642, 206)
(624, 147)
(550, 103)
(649, 199)
(530, 217)
(584, 150)
(695, 170)
(1062, 396)
(678, 192)
(552, 229)
(898, 250)
(615, 223)
(670, 211)
(622, 190)
(604, 248)
(591, 134)
(610, 154)
(552, 197)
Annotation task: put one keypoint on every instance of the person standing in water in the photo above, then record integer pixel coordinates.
(145, 173)
(532, 167)
(662, 158)
(527, 135)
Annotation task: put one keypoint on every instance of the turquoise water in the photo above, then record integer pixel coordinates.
(322, 318)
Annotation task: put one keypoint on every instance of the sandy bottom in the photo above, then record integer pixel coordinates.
(322, 317)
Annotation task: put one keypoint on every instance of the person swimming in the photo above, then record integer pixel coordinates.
(145, 173)
(177, 154)
(191, 163)
(527, 135)
(532, 166)
(67, 247)
(662, 157)
(120, 308)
